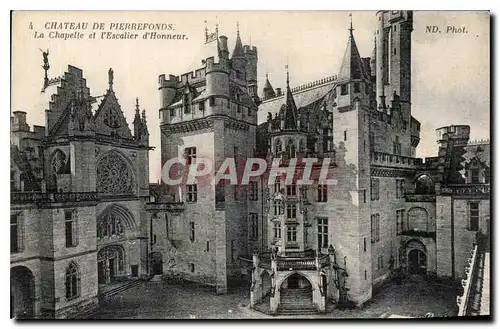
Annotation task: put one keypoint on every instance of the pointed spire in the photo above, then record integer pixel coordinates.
(144, 115)
(291, 113)
(352, 65)
(137, 116)
(110, 79)
(238, 47)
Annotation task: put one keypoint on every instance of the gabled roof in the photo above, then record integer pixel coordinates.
(110, 109)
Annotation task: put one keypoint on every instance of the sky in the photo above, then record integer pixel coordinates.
(450, 71)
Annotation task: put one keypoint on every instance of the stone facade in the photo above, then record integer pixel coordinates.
(79, 190)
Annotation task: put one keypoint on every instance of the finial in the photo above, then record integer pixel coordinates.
(144, 115)
(110, 78)
(238, 28)
(267, 75)
(287, 74)
(137, 103)
(350, 26)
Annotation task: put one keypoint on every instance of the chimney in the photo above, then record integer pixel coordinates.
(278, 92)
(19, 121)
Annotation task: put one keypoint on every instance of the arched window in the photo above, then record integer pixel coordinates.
(113, 221)
(291, 148)
(114, 175)
(278, 147)
(72, 281)
(58, 161)
(301, 146)
(424, 185)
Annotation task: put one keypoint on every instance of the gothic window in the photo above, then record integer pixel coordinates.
(375, 189)
(71, 229)
(110, 225)
(114, 175)
(72, 281)
(278, 147)
(58, 161)
(375, 228)
(190, 155)
(111, 118)
(291, 149)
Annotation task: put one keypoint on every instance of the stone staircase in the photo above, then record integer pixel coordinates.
(296, 302)
(120, 288)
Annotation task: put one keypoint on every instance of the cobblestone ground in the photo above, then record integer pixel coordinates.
(162, 300)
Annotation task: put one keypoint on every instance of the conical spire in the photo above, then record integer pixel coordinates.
(291, 113)
(352, 66)
(238, 47)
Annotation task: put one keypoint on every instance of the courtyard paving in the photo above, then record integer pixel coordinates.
(163, 300)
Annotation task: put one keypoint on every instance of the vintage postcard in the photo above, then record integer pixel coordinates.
(250, 165)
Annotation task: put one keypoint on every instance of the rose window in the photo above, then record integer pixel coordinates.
(114, 175)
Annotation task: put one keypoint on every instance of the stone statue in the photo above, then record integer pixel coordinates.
(110, 78)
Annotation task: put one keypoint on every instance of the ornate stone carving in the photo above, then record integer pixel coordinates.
(114, 175)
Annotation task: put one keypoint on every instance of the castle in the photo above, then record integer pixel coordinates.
(388, 211)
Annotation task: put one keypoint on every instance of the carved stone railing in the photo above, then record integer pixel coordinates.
(164, 206)
(391, 160)
(462, 301)
(420, 198)
(297, 264)
(467, 189)
(39, 197)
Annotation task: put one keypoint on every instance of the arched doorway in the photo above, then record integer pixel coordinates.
(417, 262)
(296, 292)
(156, 263)
(266, 284)
(22, 293)
(110, 264)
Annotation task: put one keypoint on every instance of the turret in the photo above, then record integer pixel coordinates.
(353, 78)
(238, 59)
(167, 89)
(251, 71)
(268, 91)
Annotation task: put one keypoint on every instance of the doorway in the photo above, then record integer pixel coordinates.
(417, 262)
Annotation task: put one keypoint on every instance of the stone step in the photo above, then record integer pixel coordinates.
(297, 312)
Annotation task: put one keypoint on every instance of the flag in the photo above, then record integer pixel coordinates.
(211, 37)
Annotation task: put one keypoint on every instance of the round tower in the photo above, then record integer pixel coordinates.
(167, 88)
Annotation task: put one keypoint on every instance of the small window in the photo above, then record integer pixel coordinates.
(70, 228)
(474, 216)
(322, 193)
(190, 153)
(236, 193)
(394, 51)
(254, 226)
(201, 106)
(365, 274)
(345, 135)
(357, 88)
(291, 190)
(375, 189)
(254, 191)
(208, 246)
(291, 232)
(212, 101)
(322, 233)
(191, 267)
(277, 230)
(233, 250)
(172, 112)
(344, 89)
(191, 231)
(192, 193)
(375, 228)
(364, 245)
(291, 211)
